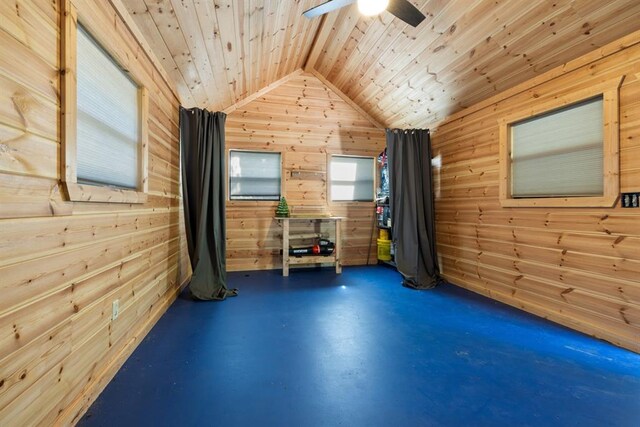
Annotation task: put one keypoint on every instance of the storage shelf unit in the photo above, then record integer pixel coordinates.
(288, 260)
(383, 205)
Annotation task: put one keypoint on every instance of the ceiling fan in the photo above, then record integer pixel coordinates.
(402, 9)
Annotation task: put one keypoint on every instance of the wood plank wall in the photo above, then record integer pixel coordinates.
(579, 267)
(62, 264)
(305, 121)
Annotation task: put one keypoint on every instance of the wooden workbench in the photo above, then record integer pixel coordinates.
(287, 260)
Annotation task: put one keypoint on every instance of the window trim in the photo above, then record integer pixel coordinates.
(87, 192)
(330, 201)
(248, 202)
(609, 90)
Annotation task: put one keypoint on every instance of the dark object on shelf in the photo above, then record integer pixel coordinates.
(383, 194)
(384, 216)
(383, 211)
(324, 247)
(386, 245)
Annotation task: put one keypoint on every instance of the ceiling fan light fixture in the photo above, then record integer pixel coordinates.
(372, 7)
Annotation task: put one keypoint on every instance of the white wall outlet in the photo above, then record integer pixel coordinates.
(115, 306)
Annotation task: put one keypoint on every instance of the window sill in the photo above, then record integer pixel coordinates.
(561, 202)
(100, 194)
(352, 203)
(252, 203)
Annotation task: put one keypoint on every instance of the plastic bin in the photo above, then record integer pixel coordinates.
(384, 250)
(384, 234)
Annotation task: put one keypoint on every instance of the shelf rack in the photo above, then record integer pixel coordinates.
(288, 260)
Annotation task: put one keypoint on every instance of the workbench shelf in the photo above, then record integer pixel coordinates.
(288, 260)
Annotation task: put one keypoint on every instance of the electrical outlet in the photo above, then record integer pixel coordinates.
(115, 309)
(630, 200)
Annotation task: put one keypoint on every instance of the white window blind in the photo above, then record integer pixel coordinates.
(559, 153)
(254, 175)
(351, 178)
(108, 121)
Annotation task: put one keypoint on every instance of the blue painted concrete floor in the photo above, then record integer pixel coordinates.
(316, 349)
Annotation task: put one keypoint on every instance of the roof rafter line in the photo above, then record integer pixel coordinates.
(346, 98)
(262, 92)
(230, 109)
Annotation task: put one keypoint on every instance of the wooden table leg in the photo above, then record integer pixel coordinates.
(285, 247)
(338, 247)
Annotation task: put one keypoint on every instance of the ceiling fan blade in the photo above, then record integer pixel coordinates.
(404, 10)
(326, 7)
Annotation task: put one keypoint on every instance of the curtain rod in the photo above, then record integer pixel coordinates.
(408, 130)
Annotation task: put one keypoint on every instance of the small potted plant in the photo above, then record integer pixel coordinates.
(282, 211)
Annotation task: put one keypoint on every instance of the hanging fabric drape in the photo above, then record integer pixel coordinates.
(203, 195)
(412, 206)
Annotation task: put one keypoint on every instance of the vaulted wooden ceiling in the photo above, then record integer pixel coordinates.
(219, 52)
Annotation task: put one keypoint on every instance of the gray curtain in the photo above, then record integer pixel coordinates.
(203, 195)
(412, 206)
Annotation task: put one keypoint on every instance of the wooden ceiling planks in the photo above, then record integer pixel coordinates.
(462, 55)
(219, 52)
(453, 45)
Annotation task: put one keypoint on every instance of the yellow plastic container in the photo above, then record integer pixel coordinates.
(384, 250)
(384, 234)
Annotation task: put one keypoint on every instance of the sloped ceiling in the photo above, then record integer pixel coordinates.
(219, 52)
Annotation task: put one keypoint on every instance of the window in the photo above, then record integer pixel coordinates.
(566, 144)
(108, 111)
(254, 175)
(104, 121)
(351, 178)
(563, 153)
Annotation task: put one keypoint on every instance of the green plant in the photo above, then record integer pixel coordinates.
(282, 210)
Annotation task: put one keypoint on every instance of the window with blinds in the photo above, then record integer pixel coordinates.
(254, 175)
(108, 118)
(560, 153)
(351, 178)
